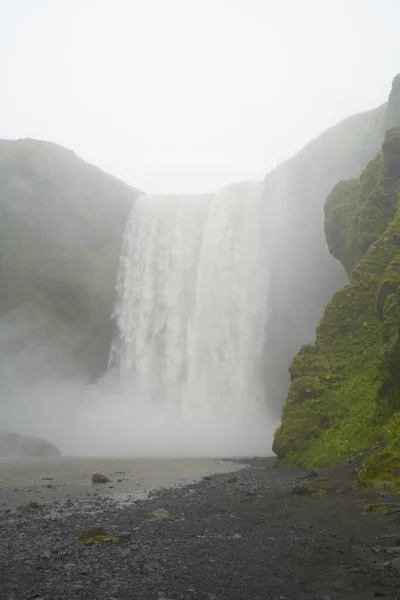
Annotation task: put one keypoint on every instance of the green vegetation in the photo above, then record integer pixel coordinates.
(95, 536)
(345, 390)
(61, 225)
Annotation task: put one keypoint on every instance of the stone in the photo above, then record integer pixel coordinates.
(160, 513)
(236, 536)
(393, 550)
(124, 536)
(91, 533)
(27, 507)
(299, 490)
(99, 478)
(393, 564)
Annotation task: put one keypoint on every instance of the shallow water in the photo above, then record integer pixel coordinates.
(47, 479)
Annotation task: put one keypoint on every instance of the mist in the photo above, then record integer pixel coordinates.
(83, 421)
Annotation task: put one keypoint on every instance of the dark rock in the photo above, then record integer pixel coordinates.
(91, 533)
(27, 507)
(99, 478)
(160, 513)
(124, 535)
(302, 491)
(233, 481)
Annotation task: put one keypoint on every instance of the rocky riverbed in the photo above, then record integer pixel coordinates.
(260, 533)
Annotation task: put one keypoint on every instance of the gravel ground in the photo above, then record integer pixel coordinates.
(239, 536)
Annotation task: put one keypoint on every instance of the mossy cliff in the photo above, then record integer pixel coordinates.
(61, 225)
(303, 272)
(345, 390)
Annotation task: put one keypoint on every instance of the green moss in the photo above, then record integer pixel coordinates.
(97, 539)
(358, 211)
(380, 509)
(345, 391)
(95, 536)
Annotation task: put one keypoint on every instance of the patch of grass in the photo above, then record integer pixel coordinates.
(380, 509)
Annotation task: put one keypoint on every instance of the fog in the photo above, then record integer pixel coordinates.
(94, 422)
(185, 96)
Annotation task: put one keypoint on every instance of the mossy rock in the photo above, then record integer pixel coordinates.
(96, 536)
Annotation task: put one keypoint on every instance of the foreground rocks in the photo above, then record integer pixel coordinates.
(226, 538)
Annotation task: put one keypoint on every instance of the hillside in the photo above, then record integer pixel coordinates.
(345, 391)
(302, 272)
(61, 225)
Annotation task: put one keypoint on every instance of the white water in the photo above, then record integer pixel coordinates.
(191, 313)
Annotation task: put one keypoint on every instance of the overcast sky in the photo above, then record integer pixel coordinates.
(187, 95)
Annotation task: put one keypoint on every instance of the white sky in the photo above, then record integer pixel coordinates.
(187, 95)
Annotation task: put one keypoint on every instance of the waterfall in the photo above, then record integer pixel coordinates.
(190, 315)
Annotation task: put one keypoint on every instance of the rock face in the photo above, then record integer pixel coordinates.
(15, 445)
(393, 111)
(303, 273)
(61, 226)
(345, 391)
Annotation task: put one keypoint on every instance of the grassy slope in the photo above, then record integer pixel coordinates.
(345, 391)
(61, 223)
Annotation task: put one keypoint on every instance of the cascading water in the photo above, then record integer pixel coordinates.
(190, 312)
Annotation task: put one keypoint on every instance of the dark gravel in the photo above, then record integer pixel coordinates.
(230, 537)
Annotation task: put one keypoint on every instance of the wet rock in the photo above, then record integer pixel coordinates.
(124, 536)
(311, 475)
(91, 533)
(99, 478)
(160, 513)
(300, 490)
(393, 550)
(233, 480)
(392, 564)
(27, 507)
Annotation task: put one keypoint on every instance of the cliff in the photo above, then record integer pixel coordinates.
(345, 390)
(303, 273)
(61, 225)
